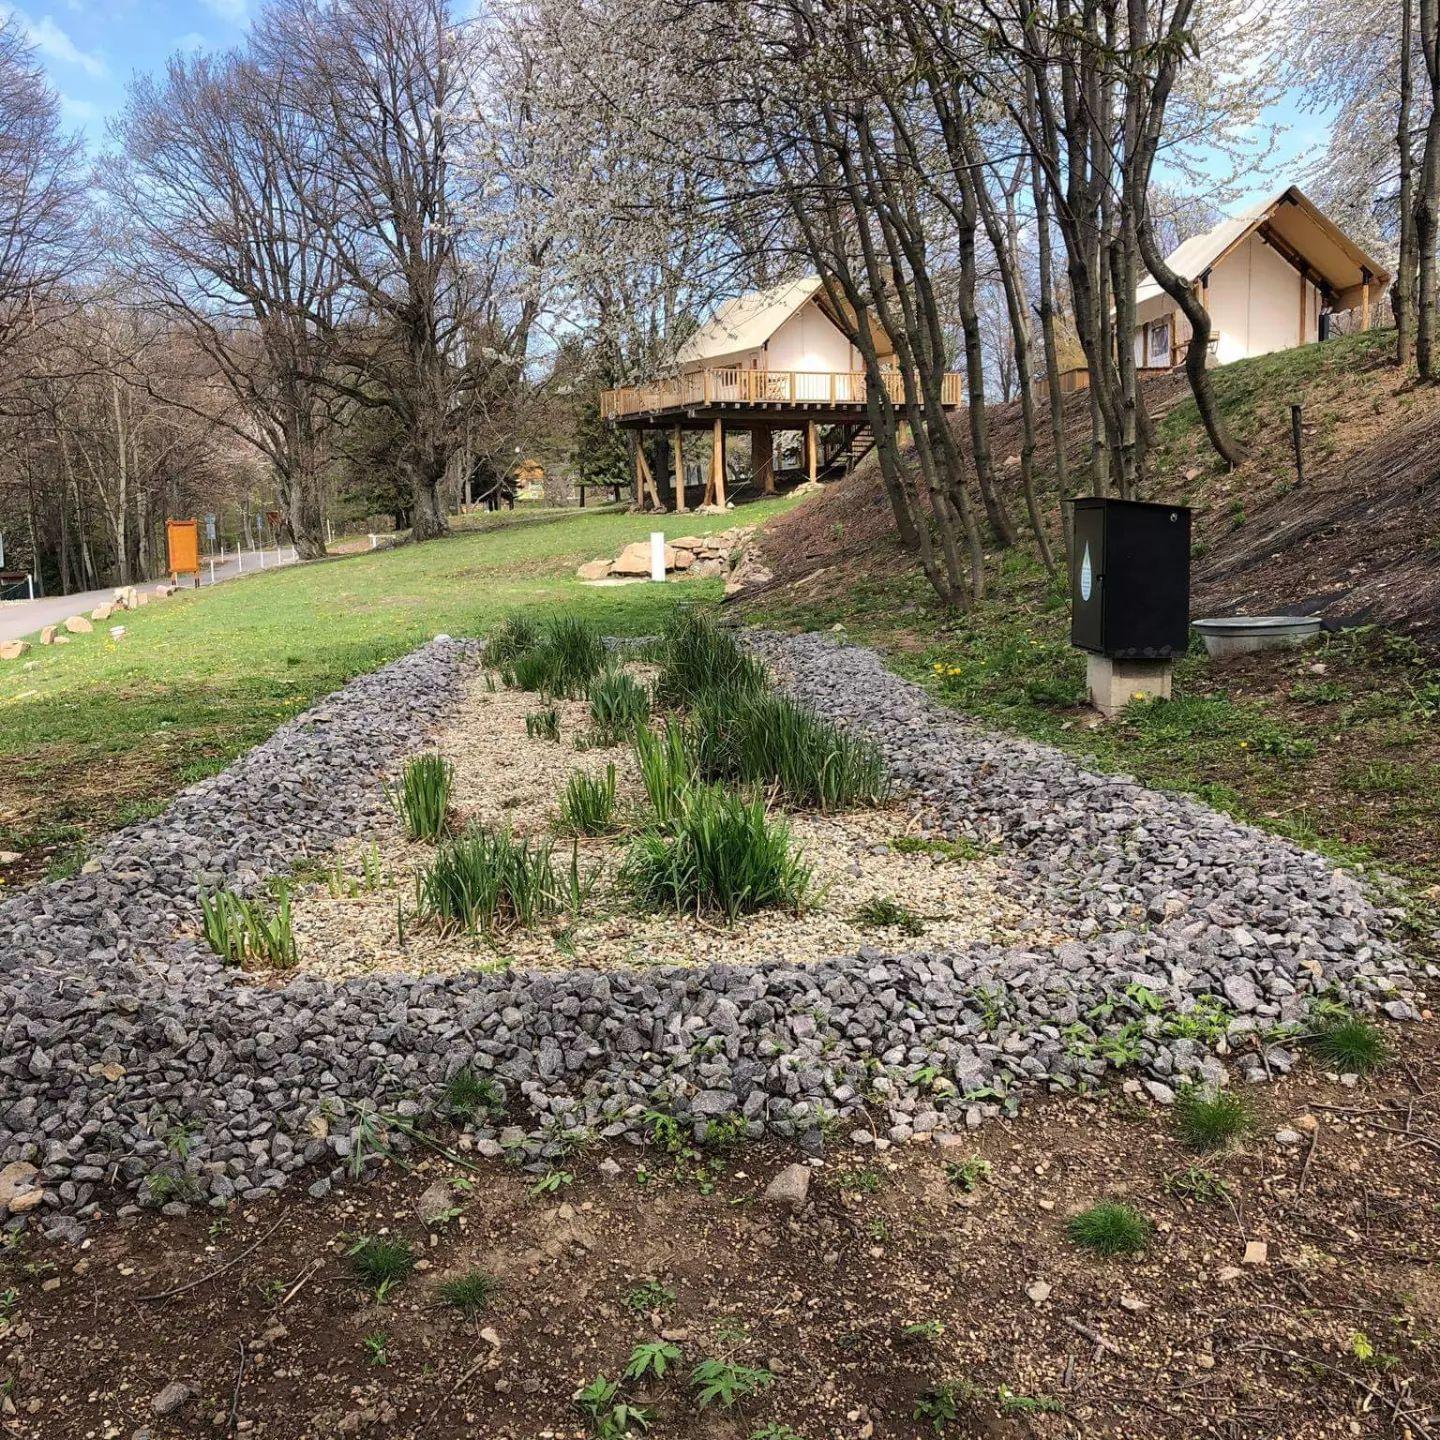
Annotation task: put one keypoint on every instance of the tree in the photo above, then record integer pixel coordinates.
(227, 213)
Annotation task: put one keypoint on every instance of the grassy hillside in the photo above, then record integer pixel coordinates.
(101, 732)
(1338, 747)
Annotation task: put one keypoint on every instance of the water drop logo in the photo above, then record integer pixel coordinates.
(1087, 575)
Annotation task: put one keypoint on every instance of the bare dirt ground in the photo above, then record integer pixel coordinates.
(1334, 1330)
(346, 924)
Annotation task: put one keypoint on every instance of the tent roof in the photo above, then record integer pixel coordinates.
(1302, 230)
(748, 321)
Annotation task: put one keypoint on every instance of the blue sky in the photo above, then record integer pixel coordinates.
(91, 48)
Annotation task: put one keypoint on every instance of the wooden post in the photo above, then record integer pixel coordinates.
(632, 444)
(1295, 414)
(717, 466)
(1300, 339)
(812, 449)
(679, 471)
(647, 478)
(1365, 300)
(762, 457)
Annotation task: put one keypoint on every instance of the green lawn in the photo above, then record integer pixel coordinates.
(98, 732)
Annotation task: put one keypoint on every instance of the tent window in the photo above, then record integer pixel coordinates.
(1159, 347)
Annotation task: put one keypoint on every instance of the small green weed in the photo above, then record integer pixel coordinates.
(1212, 1119)
(619, 706)
(1012, 1404)
(969, 1174)
(380, 1260)
(927, 1331)
(469, 1094)
(1350, 1045)
(653, 1357)
(610, 1418)
(956, 851)
(883, 912)
(939, 1405)
(724, 1383)
(543, 724)
(1110, 1228)
(649, 1296)
(377, 1347)
(470, 1293)
(551, 1182)
(1197, 1183)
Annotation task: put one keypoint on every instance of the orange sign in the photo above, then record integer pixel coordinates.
(182, 540)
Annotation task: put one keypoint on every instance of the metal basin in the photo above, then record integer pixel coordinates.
(1241, 634)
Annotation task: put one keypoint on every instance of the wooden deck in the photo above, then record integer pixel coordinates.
(728, 387)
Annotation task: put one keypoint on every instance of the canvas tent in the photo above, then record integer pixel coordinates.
(1266, 278)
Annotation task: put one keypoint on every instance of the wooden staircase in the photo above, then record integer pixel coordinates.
(844, 448)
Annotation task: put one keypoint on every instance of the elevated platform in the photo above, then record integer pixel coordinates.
(773, 397)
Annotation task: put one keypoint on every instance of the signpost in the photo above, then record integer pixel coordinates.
(182, 542)
(1129, 597)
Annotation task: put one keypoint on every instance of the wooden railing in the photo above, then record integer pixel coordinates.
(731, 385)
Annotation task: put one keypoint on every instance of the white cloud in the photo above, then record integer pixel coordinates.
(191, 42)
(49, 39)
(235, 12)
(80, 111)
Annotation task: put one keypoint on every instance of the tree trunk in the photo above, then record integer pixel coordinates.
(1197, 353)
(428, 520)
(1402, 295)
(1427, 199)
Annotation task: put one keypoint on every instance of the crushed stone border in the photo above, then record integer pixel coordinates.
(118, 1037)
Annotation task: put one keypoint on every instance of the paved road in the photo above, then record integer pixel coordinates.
(19, 618)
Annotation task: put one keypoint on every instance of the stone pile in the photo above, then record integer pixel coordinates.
(697, 555)
(120, 1031)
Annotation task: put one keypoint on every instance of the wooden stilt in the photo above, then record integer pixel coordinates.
(647, 479)
(632, 444)
(812, 449)
(715, 491)
(1365, 303)
(679, 447)
(762, 457)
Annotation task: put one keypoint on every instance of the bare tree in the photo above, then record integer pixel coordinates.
(226, 210)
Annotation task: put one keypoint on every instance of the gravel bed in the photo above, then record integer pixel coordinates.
(120, 1038)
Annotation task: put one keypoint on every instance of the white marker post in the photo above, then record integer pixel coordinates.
(657, 555)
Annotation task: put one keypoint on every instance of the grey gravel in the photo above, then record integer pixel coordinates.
(120, 1037)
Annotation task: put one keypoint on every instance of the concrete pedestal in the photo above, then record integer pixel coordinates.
(1113, 684)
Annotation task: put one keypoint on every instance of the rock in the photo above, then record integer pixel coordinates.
(1038, 1291)
(47, 634)
(491, 1337)
(1287, 1137)
(78, 625)
(1256, 1253)
(1159, 1092)
(634, 559)
(680, 559)
(16, 1179)
(1240, 991)
(609, 1169)
(14, 649)
(790, 1188)
(435, 1202)
(171, 1398)
(596, 570)
(102, 612)
(10, 857)
(1229, 1272)
(1306, 1123)
(1133, 1303)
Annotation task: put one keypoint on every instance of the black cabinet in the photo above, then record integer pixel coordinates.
(1130, 579)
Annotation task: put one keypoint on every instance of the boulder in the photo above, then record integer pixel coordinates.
(683, 560)
(78, 625)
(102, 612)
(17, 1179)
(142, 597)
(634, 559)
(47, 635)
(14, 649)
(790, 1188)
(593, 570)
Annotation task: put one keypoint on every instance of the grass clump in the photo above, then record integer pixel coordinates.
(884, 912)
(380, 1260)
(667, 768)
(696, 657)
(619, 706)
(514, 636)
(543, 724)
(1212, 1119)
(764, 738)
(469, 1094)
(718, 854)
(1110, 1228)
(561, 658)
(422, 798)
(241, 932)
(1349, 1044)
(470, 1293)
(488, 881)
(587, 804)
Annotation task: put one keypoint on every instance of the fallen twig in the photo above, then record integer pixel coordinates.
(234, 1260)
(1094, 1336)
(306, 1276)
(233, 1427)
(1309, 1156)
